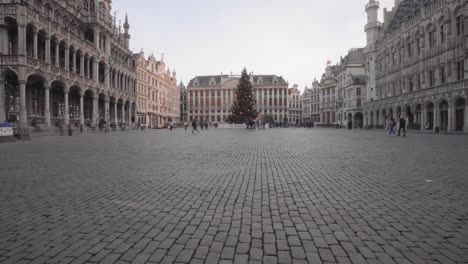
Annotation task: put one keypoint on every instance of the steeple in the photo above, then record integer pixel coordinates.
(126, 32)
(372, 29)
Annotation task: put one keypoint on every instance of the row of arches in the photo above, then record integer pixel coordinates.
(38, 44)
(58, 104)
(442, 115)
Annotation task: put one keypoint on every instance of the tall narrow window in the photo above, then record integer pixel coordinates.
(432, 39)
(442, 34)
(443, 78)
(410, 84)
(410, 50)
(460, 70)
(431, 78)
(459, 25)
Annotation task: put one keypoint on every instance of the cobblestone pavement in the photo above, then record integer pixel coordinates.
(235, 196)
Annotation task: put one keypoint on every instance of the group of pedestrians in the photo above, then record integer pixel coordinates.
(195, 124)
(393, 126)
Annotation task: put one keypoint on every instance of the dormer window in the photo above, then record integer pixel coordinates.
(212, 81)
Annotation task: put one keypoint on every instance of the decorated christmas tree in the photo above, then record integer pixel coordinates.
(243, 108)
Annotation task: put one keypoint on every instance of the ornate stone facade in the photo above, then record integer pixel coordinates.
(328, 84)
(183, 103)
(420, 54)
(210, 98)
(295, 106)
(64, 62)
(157, 92)
(351, 89)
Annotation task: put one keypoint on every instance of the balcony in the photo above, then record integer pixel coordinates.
(375, 4)
(8, 60)
(372, 25)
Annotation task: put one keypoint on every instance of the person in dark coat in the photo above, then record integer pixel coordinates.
(194, 126)
(402, 126)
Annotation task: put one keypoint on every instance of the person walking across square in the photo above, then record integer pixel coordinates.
(402, 126)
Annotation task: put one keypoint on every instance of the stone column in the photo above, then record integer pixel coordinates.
(88, 65)
(107, 77)
(436, 116)
(423, 117)
(106, 110)
(95, 109)
(81, 108)
(35, 45)
(465, 122)
(67, 108)
(21, 40)
(96, 71)
(262, 95)
(3, 117)
(257, 98)
(47, 105)
(4, 49)
(74, 61)
(116, 120)
(231, 101)
(209, 105)
(57, 53)
(47, 50)
(199, 105)
(450, 116)
(24, 124)
(222, 104)
(122, 120)
(96, 37)
(82, 62)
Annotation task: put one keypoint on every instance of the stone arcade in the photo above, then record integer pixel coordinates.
(64, 62)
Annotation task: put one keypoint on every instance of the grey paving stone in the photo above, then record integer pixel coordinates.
(279, 195)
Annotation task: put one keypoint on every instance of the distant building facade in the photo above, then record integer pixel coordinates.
(158, 94)
(328, 87)
(295, 106)
(315, 96)
(307, 106)
(417, 64)
(183, 103)
(210, 98)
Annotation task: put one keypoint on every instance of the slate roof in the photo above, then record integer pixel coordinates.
(220, 79)
(406, 10)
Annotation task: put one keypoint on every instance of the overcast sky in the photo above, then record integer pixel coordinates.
(291, 38)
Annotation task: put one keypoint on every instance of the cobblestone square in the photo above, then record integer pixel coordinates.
(235, 196)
